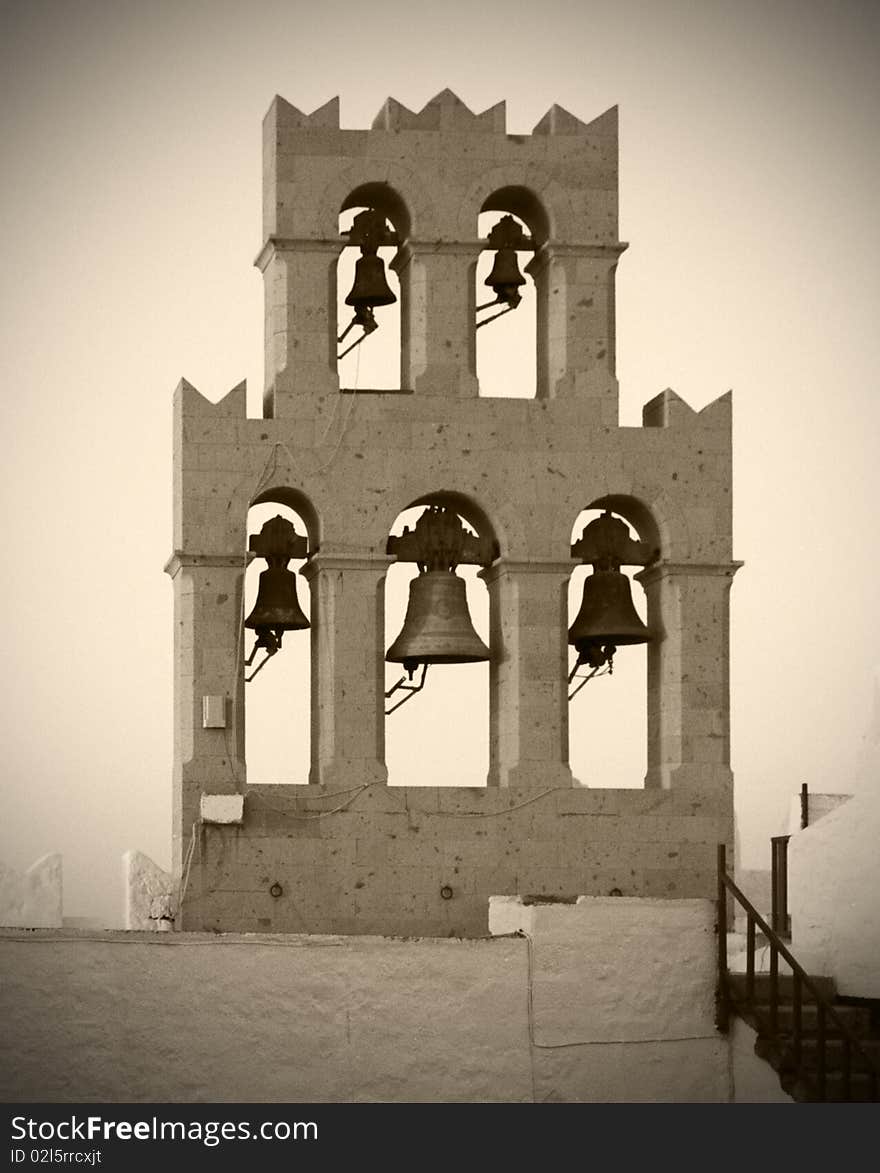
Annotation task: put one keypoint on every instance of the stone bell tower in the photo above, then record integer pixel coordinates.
(346, 853)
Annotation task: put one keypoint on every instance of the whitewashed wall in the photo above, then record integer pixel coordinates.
(32, 899)
(192, 1017)
(834, 878)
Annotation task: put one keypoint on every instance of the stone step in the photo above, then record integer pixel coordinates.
(785, 986)
(864, 1056)
(856, 1018)
(804, 1088)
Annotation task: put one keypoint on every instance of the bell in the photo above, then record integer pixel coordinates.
(370, 287)
(277, 607)
(437, 628)
(607, 615)
(505, 278)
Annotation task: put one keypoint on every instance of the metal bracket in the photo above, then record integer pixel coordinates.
(604, 669)
(361, 318)
(409, 689)
(271, 643)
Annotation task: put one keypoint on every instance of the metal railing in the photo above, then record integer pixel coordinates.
(802, 986)
(779, 917)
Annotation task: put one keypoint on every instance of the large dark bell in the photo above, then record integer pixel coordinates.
(505, 277)
(607, 614)
(370, 287)
(277, 606)
(437, 628)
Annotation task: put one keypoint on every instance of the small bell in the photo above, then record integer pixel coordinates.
(277, 608)
(607, 617)
(505, 278)
(370, 286)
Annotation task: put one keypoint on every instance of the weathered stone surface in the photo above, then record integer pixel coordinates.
(526, 468)
(32, 899)
(150, 894)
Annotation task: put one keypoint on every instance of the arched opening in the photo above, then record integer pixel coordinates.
(438, 736)
(277, 688)
(509, 295)
(371, 275)
(608, 738)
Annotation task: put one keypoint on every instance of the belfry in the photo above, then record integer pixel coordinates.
(500, 482)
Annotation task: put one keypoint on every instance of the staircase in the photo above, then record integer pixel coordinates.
(842, 1068)
(823, 1048)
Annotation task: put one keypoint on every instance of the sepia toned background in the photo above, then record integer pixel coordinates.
(131, 162)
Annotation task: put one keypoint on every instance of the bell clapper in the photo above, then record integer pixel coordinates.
(363, 317)
(598, 658)
(404, 686)
(498, 301)
(268, 640)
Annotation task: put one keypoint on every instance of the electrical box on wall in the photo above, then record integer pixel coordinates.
(213, 712)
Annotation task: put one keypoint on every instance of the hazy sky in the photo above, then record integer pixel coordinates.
(131, 195)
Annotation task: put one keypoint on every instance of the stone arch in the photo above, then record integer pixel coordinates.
(296, 500)
(609, 719)
(400, 188)
(545, 202)
(466, 506)
(635, 511)
(278, 694)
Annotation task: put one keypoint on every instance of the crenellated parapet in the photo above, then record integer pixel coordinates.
(432, 173)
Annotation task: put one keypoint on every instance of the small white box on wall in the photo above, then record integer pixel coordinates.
(213, 712)
(222, 808)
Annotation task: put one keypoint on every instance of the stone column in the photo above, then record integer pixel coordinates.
(207, 662)
(528, 697)
(348, 678)
(438, 318)
(688, 674)
(299, 278)
(576, 323)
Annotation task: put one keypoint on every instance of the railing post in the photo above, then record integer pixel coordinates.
(750, 959)
(805, 806)
(722, 1004)
(779, 919)
(820, 1049)
(774, 990)
(847, 1069)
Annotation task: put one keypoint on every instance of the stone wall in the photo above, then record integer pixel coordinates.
(425, 860)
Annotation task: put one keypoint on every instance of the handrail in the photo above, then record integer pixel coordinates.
(800, 979)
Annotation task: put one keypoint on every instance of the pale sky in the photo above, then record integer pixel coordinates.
(131, 196)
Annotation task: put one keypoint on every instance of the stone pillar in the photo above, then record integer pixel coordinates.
(576, 323)
(299, 279)
(438, 318)
(207, 662)
(348, 677)
(528, 696)
(688, 674)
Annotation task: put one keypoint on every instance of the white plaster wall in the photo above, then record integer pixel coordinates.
(148, 892)
(198, 1017)
(32, 899)
(834, 876)
(753, 1080)
(820, 805)
(612, 968)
